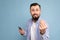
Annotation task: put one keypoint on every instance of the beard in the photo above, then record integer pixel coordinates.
(35, 17)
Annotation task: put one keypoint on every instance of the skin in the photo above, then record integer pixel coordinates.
(42, 27)
(37, 11)
(21, 31)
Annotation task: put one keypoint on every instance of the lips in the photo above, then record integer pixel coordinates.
(35, 15)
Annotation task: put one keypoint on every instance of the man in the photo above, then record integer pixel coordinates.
(36, 28)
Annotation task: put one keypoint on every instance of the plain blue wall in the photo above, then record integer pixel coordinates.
(16, 12)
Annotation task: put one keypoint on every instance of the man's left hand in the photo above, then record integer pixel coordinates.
(42, 27)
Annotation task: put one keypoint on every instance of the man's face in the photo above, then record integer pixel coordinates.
(35, 11)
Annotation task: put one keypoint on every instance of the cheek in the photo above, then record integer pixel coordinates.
(32, 12)
(38, 12)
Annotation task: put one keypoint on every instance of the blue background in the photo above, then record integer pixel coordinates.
(14, 13)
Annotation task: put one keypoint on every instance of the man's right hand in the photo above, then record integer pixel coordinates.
(21, 31)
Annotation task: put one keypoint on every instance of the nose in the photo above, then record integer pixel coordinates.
(35, 12)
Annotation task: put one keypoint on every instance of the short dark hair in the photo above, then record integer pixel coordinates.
(34, 4)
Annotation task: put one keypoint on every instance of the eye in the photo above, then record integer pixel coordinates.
(37, 9)
(33, 10)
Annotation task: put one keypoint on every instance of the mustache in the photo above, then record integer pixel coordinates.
(34, 14)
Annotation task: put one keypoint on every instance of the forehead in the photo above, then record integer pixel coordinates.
(34, 7)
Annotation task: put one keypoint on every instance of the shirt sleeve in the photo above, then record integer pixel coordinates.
(24, 34)
(26, 30)
(46, 35)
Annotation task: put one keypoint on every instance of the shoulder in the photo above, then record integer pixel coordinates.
(29, 21)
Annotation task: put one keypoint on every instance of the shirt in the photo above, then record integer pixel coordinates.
(33, 32)
(38, 35)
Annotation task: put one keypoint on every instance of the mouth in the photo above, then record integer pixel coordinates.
(35, 16)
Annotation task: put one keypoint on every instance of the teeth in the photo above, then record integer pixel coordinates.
(34, 15)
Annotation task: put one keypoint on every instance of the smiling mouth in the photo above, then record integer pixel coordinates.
(35, 15)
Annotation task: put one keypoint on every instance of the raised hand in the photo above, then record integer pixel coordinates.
(42, 27)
